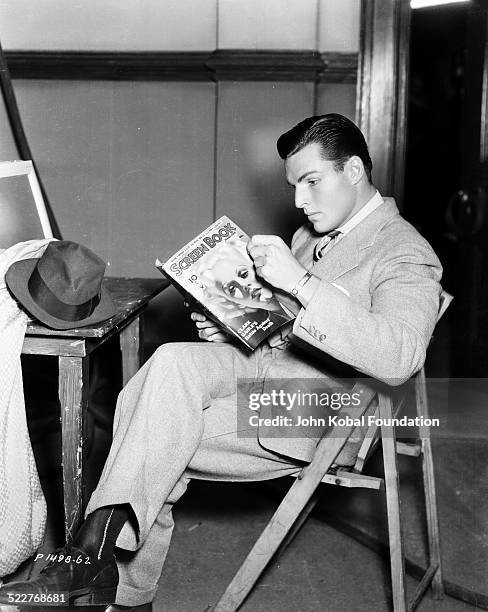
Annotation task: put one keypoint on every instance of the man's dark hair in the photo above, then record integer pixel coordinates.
(339, 138)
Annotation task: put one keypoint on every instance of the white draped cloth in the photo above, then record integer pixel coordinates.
(22, 503)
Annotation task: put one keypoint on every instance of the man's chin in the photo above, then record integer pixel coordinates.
(320, 227)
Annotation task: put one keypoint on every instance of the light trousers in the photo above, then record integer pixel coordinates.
(175, 420)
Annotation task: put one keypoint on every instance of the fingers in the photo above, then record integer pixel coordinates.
(220, 337)
(259, 251)
(266, 240)
(260, 255)
(212, 334)
(205, 334)
(261, 246)
(206, 324)
(207, 329)
(262, 259)
(259, 263)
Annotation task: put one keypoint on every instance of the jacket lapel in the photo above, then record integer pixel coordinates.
(345, 255)
(341, 258)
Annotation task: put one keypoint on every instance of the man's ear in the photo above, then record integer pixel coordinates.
(355, 169)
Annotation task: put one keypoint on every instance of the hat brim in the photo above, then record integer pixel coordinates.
(17, 278)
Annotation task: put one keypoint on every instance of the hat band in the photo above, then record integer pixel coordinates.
(46, 299)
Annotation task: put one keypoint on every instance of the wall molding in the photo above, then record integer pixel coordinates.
(339, 67)
(107, 65)
(243, 65)
(221, 65)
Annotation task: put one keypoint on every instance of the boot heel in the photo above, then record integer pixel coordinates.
(98, 598)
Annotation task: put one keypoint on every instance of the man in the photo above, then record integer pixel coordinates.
(367, 287)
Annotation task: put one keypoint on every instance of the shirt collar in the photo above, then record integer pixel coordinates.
(366, 210)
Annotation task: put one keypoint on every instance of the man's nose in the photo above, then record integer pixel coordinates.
(300, 198)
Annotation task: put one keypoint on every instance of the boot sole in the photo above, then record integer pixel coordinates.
(91, 598)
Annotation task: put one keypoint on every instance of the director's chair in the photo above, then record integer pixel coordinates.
(301, 497)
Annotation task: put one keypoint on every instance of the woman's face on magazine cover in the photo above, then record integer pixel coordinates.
(236, 277)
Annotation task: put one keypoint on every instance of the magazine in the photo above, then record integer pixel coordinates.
(215, 271)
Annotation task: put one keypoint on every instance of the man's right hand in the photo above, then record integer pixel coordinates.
(209, 330)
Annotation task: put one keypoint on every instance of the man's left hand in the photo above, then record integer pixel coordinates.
(274, 262)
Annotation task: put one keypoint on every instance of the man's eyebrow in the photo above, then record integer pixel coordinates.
(304, 176)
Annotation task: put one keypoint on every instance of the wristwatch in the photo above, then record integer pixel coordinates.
(301, 283)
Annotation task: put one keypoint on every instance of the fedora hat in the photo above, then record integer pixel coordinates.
(63, 287)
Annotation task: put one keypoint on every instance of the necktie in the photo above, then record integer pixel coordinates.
(324, 242)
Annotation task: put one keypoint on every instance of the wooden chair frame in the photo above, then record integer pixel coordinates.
(302, 496)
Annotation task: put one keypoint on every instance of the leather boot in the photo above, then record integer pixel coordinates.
(71, 578)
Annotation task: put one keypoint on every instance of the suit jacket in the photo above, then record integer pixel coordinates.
(373, 312)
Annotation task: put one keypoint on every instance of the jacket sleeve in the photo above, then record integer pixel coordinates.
(389, 340)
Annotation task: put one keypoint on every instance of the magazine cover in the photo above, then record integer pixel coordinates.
(216, 271)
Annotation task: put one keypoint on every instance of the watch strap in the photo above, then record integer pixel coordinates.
(301, 283)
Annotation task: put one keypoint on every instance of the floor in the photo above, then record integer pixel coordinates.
(325, 568)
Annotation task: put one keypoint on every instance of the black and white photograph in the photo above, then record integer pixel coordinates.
(244, 305)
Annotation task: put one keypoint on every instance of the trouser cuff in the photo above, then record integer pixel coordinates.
(131, 596)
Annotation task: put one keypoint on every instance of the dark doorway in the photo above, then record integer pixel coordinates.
(445, 179)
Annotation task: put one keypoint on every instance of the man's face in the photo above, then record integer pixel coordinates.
(327, 197)
(239, 283)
